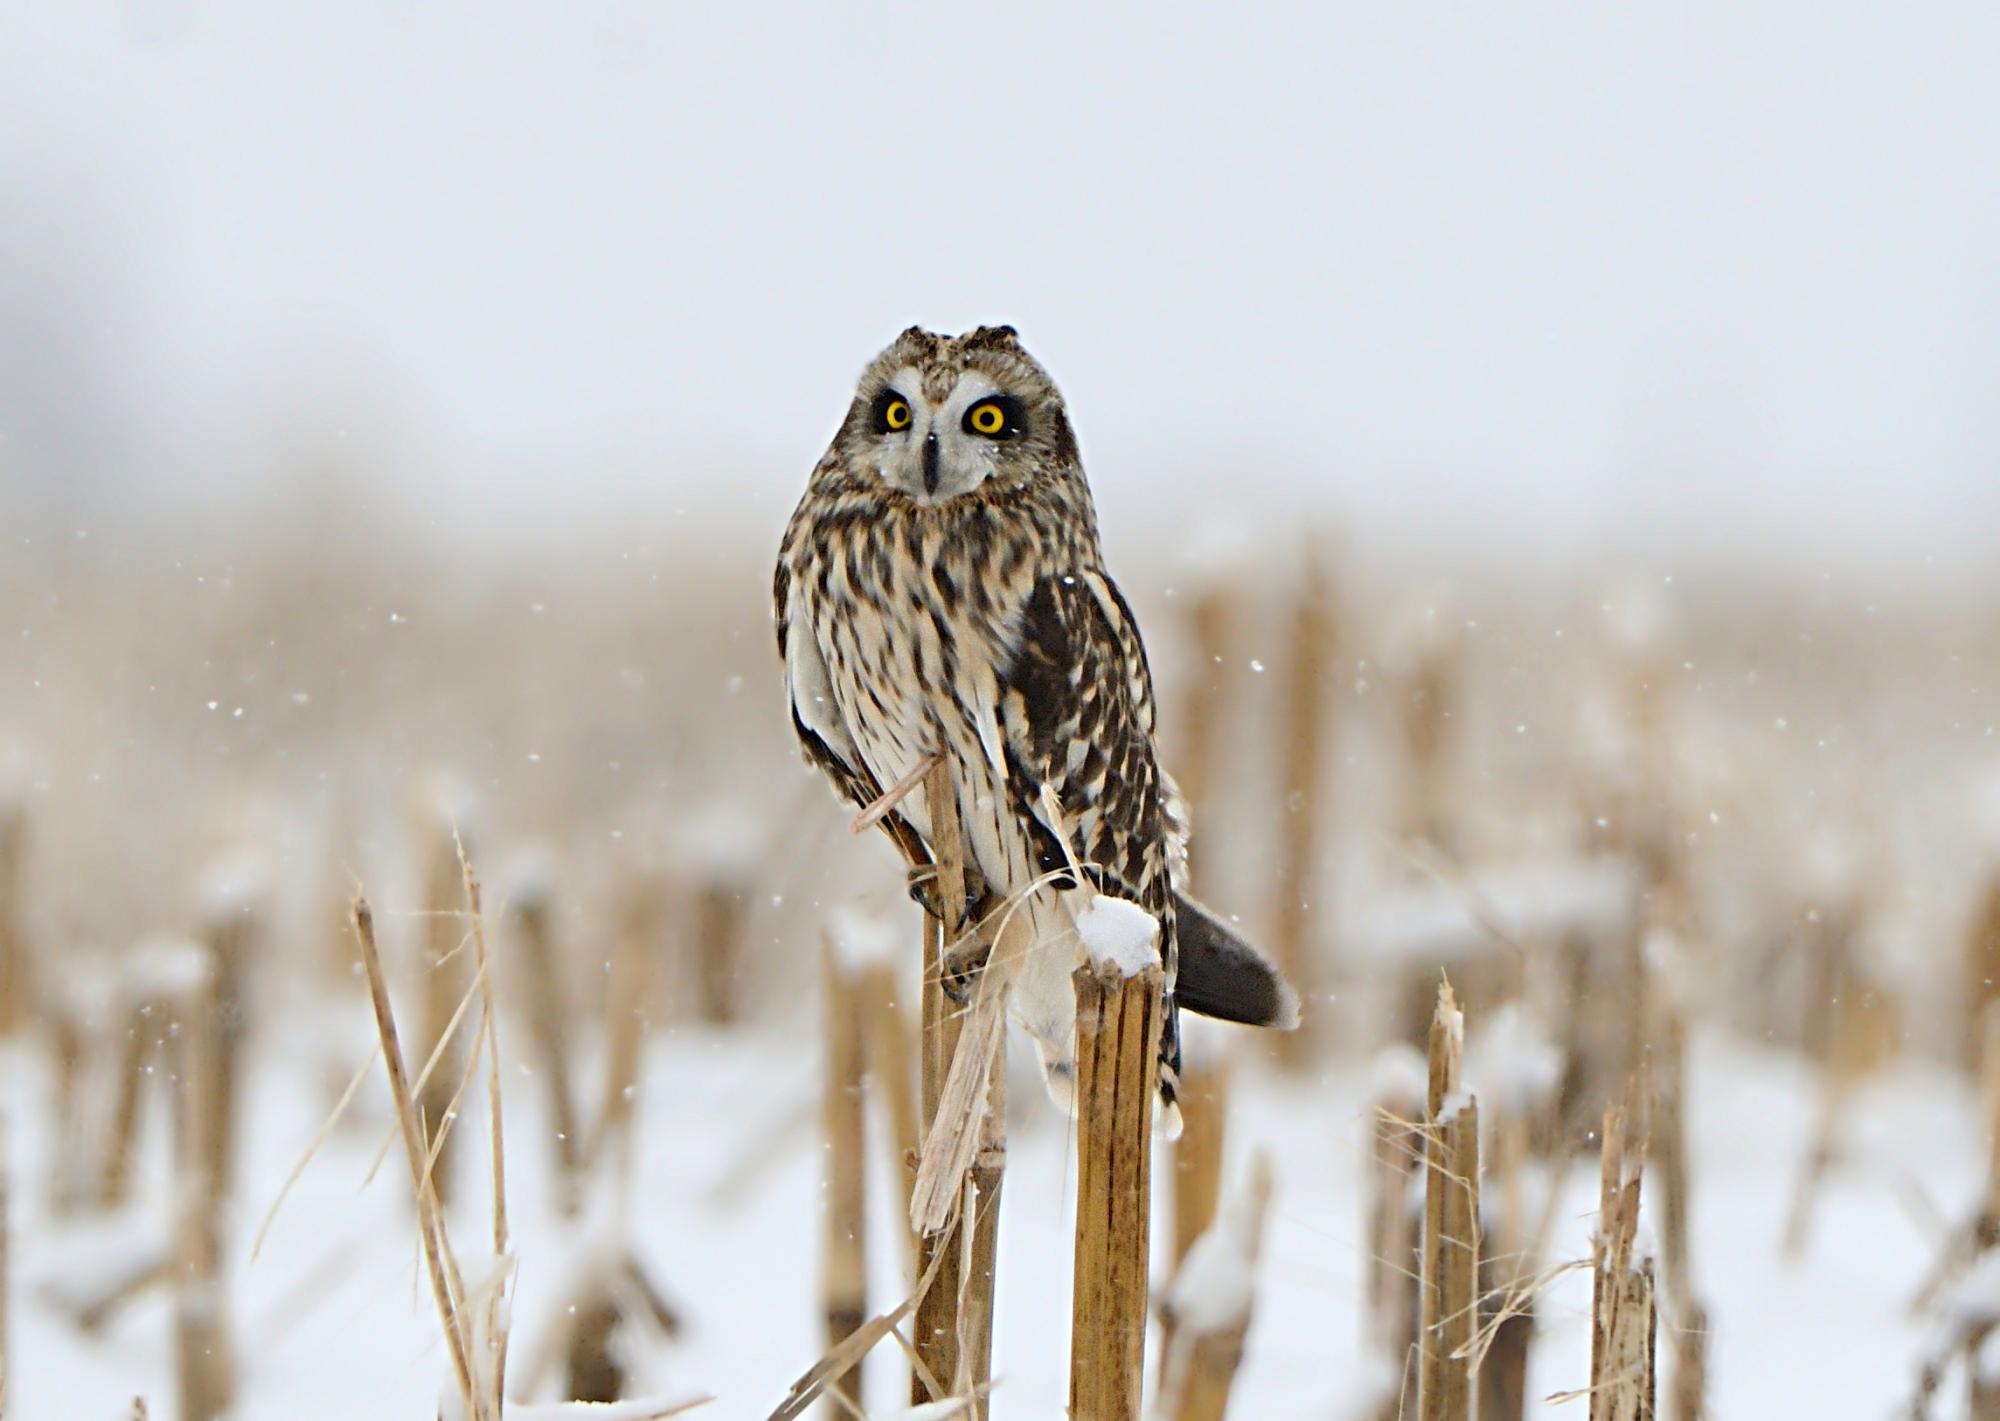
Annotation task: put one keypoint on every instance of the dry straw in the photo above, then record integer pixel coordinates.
(1450, 1295)
(1979, 971)
(1117, 1050)
(491, 1322)
(1980, 1232)
(1198, 1153)
(205, 1366)
(548, 1028)
(1857, 1036)
(446, 987)
(891, 1065)
(954, 1199)
(1206, 1317)
(1205, 1076)
(1623, 1320)
(940, 1244)
(16, 984)
(1689, 1336)
(982, 1268)
(718, 948)
(447, 1285)
(1306, 751)
(232, 937)
(844, 1257)
(626, 1011)
(1394, 1223)
(959, 1118)
(6, 1258)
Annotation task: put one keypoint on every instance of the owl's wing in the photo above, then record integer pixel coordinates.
(1077, 709)
(1077, 715)
(817, 721)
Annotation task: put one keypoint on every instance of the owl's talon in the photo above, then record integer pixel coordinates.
(959, 972)
(923, 891)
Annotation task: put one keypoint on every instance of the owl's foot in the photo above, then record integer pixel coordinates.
(963, 961)
(966, 958)
(924, 892)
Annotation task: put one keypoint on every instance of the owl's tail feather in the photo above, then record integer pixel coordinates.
(1223, 976)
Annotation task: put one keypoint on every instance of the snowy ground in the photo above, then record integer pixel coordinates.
(334, 1321)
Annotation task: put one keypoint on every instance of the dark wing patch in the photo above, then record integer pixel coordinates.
(1077, 713)
(1080, 720)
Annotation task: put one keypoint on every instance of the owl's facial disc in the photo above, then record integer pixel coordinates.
(934, 451)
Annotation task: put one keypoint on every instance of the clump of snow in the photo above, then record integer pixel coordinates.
(532, 874)
(1422, 631)
(1605, 738)
(1514, 1061)
(84, 1262)
(947, 1410)
(1831, 865)
(235, 882)
(1222, 550)
(1217, 1283)
(861, 939)
(1666, 958)
(1455, 1101)
(1399, 1071)
(164, 968)
(1454, 1023)
(1118, 933)
(1638, 617)
(722, 840)
(1904, 951)
(88, 994)
(447, 801)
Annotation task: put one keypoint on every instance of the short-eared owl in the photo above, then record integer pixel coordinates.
(940, 590)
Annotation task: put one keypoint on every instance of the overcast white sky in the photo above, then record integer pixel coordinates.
(1573, 273)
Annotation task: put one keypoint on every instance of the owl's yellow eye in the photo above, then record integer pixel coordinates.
(896, 415)
(996, 417)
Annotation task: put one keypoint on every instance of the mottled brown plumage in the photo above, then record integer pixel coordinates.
(941, 588)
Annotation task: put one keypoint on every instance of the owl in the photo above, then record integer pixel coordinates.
(940, 591)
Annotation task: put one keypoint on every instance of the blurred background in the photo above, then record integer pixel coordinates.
(1554, 459)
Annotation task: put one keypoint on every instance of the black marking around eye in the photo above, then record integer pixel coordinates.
(878, 413)
(1013, 418)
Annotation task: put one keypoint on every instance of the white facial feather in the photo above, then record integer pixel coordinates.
(965, 461)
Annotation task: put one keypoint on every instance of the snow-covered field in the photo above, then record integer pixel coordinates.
(1820, 764)
(333, 1320)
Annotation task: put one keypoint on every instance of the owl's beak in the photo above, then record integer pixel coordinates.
(930, 463)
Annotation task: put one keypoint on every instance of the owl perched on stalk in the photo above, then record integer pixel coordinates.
(941, 591)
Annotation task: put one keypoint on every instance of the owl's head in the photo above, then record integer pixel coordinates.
(937, 417)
